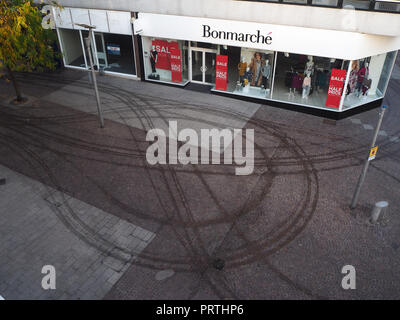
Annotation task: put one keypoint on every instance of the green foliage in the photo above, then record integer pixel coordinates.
(24, 44)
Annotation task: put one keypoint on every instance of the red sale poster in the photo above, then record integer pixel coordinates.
(176, 65)
(338, 77)
(163, 48)
(221, 72)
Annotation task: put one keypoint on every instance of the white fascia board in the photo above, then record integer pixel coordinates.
(317, 42)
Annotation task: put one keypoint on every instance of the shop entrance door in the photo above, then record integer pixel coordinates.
(202, 65)
(101, 50)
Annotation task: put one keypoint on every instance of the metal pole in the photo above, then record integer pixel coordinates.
(366, 165)
(88, 44)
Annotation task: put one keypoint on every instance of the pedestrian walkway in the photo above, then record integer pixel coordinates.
(89, 248)
(146, 106)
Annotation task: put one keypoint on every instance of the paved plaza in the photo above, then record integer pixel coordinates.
(85, 200)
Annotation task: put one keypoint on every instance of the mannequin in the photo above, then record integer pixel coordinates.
(309, 66)
(153, 59)
(248, 76)
(355, 67)
(306, 86)
(242, 66)
(255, 66)
(320, 76)
(266, 72)
(362, 73)
(366, 82)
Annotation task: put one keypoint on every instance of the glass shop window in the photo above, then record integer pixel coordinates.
(72, 48)
(250, 71)
(309, 80)
(368, 79)
(165, 60)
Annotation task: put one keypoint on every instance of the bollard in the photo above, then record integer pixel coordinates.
(377, 210)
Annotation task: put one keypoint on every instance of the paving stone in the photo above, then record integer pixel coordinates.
(368, 127)
(32, 235)
(356, 121)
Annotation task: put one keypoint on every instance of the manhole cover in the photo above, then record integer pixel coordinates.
(219, 264)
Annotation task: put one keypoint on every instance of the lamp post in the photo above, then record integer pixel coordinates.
(366, 163)
(88, 46)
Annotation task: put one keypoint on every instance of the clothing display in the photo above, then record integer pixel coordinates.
(242, 66)
(361, 74)
(255, 68)
(258, 70)
(306, 87)
(309, 68)
(297, 82)
(307, 81)
(248, 76)
(288, 79)
(265, 82)
(266, 71)
(321, 79)
(306, 91)
(353, 80)
(153, 59)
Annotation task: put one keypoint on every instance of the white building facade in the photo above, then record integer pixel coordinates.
(327, 55)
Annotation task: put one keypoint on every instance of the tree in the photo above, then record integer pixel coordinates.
(25, 46)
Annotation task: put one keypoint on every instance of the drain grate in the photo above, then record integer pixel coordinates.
(2, 181)
(218, 264)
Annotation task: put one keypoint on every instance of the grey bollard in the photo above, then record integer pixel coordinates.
(377, 210)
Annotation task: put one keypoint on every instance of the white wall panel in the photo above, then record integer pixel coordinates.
(119, 22)
(63, 18)
(80, 16)
(98, 18)
(274, 13)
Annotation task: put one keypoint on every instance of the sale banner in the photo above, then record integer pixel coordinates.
(221, 75)
(335, 91)
(176, 65)
(163, 48)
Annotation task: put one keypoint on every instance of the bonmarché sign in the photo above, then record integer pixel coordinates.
(236, 36)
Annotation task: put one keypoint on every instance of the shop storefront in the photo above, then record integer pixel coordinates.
(324, 69)
(112, 44)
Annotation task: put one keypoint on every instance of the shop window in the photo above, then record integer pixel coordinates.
(72, 47)
(368, 79)
(386, 72)
(165, 60)
(115, 53)
(296, 1)
(249, 71)
(327, 3)
(356, 4)
(205, 45)
(254, 71)
(306, 80)
(85, 34)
